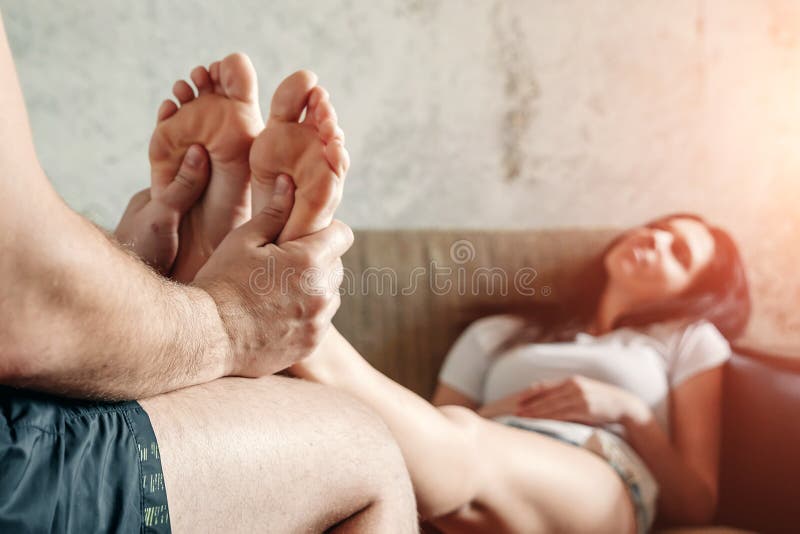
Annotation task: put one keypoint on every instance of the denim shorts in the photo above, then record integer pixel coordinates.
(78, 466)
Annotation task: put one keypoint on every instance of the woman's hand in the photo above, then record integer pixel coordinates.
(581, 400)
(506, 406)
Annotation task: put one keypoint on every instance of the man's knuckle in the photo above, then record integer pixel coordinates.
(312, 330)
(141, 196)
(297, 311)
(320, 323)
(185, 179)
(317, 304)
(273, 213)
(349, 235)
(314, 339)
(335, 301)
(306, 258)
(342, 229)
(270, 249)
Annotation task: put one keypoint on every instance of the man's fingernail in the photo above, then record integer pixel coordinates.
(281, 185)
(194, 156)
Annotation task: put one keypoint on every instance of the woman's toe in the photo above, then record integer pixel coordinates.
(183, 91)
(338, 158)
(166, 110)
(213, 72)
(330, 131)
(238, 79)
(292, 96)
(202, 80)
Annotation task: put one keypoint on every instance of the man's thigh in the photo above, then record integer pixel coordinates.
(271, 454)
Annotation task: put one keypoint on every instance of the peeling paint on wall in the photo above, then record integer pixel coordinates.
(520, 90)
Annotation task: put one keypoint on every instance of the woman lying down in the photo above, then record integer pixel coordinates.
(598, 417)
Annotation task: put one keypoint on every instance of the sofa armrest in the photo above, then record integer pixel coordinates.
(760, 456)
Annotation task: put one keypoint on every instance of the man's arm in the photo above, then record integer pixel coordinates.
(80, 316)
(77, 314)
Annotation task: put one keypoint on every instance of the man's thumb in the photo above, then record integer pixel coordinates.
(266, 225)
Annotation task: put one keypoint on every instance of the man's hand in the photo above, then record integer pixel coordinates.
(151, 221)
(276, 302)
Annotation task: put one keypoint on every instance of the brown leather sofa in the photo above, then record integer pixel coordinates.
(401, 312)
(760, 469)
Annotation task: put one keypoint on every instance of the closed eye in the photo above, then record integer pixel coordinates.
(681, 252)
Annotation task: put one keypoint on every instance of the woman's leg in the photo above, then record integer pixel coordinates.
(538, 484)
(471, 473)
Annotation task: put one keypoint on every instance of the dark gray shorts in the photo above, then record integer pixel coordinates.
(78, 466)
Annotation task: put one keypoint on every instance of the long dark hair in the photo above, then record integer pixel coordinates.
(719, 294)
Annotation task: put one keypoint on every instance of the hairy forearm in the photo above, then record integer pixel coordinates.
(684, 497)
(84, 318)
(78, 315)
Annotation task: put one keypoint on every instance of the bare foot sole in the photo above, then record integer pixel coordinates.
(224, 117)
(310, 150)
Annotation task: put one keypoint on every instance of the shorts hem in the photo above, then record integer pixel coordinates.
(152, 490)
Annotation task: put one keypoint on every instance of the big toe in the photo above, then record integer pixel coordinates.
(291, 96)
(237, 77)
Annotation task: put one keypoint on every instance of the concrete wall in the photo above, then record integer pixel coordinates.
(458, 113)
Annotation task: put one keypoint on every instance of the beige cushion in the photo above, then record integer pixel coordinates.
(405, 329)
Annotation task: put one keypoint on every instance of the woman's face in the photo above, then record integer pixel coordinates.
(659, 261)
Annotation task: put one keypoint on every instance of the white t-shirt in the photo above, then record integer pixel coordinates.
(648, 362)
